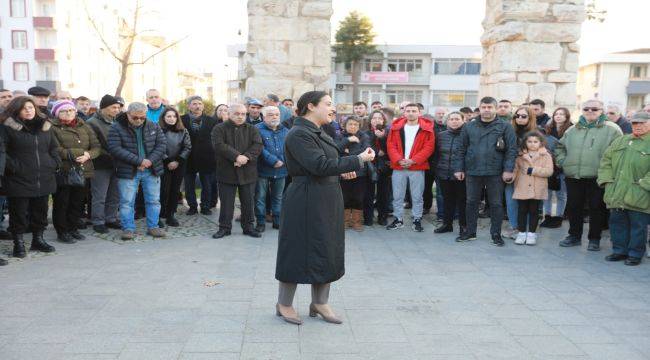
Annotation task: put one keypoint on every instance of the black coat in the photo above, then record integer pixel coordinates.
(123, 146)
(447, 143)
(230, 141)
(31, 158)
(311, 242)
(351, 148)
(478, 154)
(202, 157)
(179, 145)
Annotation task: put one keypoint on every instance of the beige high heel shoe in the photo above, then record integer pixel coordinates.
(292, 320)
(313, 312)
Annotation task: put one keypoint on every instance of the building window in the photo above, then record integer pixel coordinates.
(368, 96)
(454, 98)
(18, 39)
(457, 67)
(635, 102)
(348, 67)
(372, 65)
(638, 71)
(17, 8)
(21, 71)
(397, 96)
(404, 65)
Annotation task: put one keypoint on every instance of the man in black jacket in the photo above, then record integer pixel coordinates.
(237, 145)
(201, 160)
(138, 147)
(486, 158)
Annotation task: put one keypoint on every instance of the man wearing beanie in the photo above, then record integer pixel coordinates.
(103, 188)
(41, 97)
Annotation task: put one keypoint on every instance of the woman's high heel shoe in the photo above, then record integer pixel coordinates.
(292, 320)
(313, 312)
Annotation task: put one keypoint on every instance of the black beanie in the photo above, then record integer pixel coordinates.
(107, 101)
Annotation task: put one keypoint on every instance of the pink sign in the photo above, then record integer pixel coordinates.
(384, 77)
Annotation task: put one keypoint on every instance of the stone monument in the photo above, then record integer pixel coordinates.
(530, 50)
(289, 49)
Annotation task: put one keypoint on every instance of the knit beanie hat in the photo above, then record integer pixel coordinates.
(107, 101)
(62, 105)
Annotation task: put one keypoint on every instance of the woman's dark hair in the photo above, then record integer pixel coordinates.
(163, 125)
(536, 134)
(354, 118)
(551, 123)
(532, 120)
(310, 97)
(16, 105)
(383, 117)
(216, 111)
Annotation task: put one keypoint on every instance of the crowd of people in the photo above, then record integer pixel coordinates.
(120, 163)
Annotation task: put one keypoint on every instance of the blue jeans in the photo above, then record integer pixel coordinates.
(206, 179)
(129, 188)
(512, 206)
(261, 188)
(629, 231)
(561, 199)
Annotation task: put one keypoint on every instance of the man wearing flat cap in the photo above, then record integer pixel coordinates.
(41, 97)
(625, 173)
(254, 108)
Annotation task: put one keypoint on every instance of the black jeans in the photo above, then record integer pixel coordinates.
(528, 213)
(380, 191)
(67, 208)
(454, 198)
(227, 193)
(579, 192)
(170, 187)
(27, 214)
(354, 192)
(494, 186)
(427, 195)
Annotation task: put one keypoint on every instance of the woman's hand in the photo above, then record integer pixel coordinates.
(349, 176)
(367, 155)
(172, 165)
(380, 133)
(83, 158)
(353, 139)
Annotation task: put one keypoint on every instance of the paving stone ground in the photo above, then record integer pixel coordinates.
(405, 295)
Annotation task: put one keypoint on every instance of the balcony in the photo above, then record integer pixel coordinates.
(44, 55)
(43, 22)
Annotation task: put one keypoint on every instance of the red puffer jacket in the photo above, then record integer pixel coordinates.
(425, 143)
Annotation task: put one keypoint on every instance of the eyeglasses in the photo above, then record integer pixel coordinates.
(523, 116)
(611, 113)
(239, 114)
(592, 109)
(135, 118)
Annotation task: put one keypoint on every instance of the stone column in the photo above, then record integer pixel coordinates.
(530, 50)
(288, 50)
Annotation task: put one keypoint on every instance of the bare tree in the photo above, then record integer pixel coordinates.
(131, 35)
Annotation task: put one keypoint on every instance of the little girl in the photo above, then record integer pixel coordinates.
(533, 167)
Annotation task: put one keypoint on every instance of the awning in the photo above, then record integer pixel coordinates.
(638, 88)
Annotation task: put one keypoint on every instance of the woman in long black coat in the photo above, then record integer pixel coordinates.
(311, 241)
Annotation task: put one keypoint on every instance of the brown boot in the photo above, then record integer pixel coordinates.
(347, 216)
(357, 220)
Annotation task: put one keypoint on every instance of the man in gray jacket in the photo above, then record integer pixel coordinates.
(105, 200)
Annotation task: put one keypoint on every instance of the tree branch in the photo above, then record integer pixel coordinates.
(159, 51)
(101, 37)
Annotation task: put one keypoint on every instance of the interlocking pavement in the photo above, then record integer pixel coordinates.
(405, 295)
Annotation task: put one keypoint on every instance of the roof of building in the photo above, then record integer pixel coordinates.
(641, 55)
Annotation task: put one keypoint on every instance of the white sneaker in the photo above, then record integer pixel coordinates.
(531, 238)
(521, 238)
(510, 233)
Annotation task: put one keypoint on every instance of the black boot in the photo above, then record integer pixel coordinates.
(444, 229)
(19, 246)
(39, 244)
(556, 222)
(382, 220)
(63, 237)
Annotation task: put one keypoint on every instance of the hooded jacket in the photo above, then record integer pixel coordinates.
(423, 146)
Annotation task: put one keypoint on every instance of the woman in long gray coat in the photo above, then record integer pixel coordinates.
(311, 242)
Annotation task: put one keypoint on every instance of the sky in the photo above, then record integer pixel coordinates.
(213, 25)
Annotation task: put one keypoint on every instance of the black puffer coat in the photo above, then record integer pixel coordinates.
(123, 146)
(447, 143)
(32, 158)
(353, 148)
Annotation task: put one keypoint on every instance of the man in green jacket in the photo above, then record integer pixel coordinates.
(578, 153)
(625, 174)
